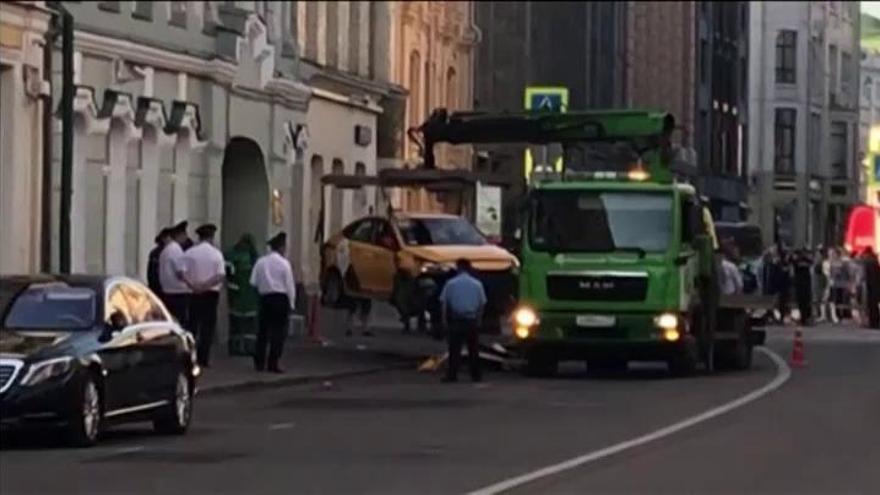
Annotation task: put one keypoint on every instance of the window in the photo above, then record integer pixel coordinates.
(832, 68)
(116, 307)
(838, 150)
(704, 61)
(143, 10)
(786, 56)
(141, 306)
(429, 76)
(109, 6)
(815, 146)
(361, 231)
(784, 131)
(866, 89)
(415, 67)
(54, 306)
(845, 74)
(620, 221)
(177, 14)
(360, 194)
(336, 197)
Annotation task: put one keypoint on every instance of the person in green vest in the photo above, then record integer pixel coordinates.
(243, 298)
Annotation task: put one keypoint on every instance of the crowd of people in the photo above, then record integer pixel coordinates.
(189, 276)
(822, 285)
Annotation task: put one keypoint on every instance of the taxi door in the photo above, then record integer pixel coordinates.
(354, 256)
(384, 248)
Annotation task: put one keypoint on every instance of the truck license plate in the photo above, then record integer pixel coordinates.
(595, 321)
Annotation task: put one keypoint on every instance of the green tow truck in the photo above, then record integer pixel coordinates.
(618, 255)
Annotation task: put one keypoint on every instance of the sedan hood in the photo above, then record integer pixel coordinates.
(22, 344)
(482, 257)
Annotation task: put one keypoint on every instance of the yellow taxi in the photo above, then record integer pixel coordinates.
(406, 258)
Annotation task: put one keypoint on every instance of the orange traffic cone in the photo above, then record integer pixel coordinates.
(797, 351)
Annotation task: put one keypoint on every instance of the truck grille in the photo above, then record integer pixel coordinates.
(608, 288)
(8, 370)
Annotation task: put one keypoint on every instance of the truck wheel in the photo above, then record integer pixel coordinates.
(684, 361)
(541, 364)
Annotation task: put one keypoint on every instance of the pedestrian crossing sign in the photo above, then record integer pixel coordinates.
(545, 99)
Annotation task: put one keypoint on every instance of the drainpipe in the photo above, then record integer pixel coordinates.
(46, 215)
(67, 94)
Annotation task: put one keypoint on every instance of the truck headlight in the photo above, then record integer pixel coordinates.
(666, 321)
(41, 371)
(525, 317)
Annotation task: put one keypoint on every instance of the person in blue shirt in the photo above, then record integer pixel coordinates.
(463, 300)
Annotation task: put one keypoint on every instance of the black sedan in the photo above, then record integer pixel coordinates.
(84, 352)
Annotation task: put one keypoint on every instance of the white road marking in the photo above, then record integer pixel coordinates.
(783, 373)
(281, 426)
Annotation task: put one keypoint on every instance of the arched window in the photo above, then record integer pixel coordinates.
(451, 89)
(415, 84)
(866, 90)
(429, 76)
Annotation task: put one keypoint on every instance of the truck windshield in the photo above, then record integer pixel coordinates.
(593, 221)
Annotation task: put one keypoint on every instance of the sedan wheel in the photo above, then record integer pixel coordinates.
(175, 418)
(85, 423)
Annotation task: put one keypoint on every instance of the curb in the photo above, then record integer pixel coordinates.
(250, 385)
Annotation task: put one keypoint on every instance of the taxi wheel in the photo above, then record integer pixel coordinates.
(333, 289)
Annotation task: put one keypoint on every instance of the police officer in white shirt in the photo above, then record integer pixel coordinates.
(273, 279)
(176, 290)
(206, 270)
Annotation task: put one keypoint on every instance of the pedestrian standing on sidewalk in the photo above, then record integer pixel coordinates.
(820, 285)
(176, 290)
(803, 286)
(243, 298)
(206, 270)
(273, 279)
(153, 281)
(358, 309)
(872, 288)
(839, 275)
(783, 276)
(462, 301)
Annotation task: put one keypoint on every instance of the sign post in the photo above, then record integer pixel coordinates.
(544, 99)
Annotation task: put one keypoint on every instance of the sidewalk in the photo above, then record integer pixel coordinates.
(337, 356)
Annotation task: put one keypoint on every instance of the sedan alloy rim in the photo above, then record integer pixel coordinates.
(91, 410)
(182, 400)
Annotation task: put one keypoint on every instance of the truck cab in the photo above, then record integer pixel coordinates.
(610, 272)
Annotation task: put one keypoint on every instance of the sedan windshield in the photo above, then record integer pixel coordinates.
(587, 221)
(439, 232)
(52, 307)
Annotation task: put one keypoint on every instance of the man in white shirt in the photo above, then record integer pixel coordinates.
(206, 270)
(176, 290)
(273, 279)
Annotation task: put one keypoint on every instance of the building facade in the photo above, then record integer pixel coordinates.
(427, 49)
(23, 26)
(721, 54)
(183, 111)
(577, 45)
(804, 168)
(869, 108)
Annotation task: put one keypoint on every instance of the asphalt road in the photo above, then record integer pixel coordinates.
(404, 432)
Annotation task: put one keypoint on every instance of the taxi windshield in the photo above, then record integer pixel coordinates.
(439, 232)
